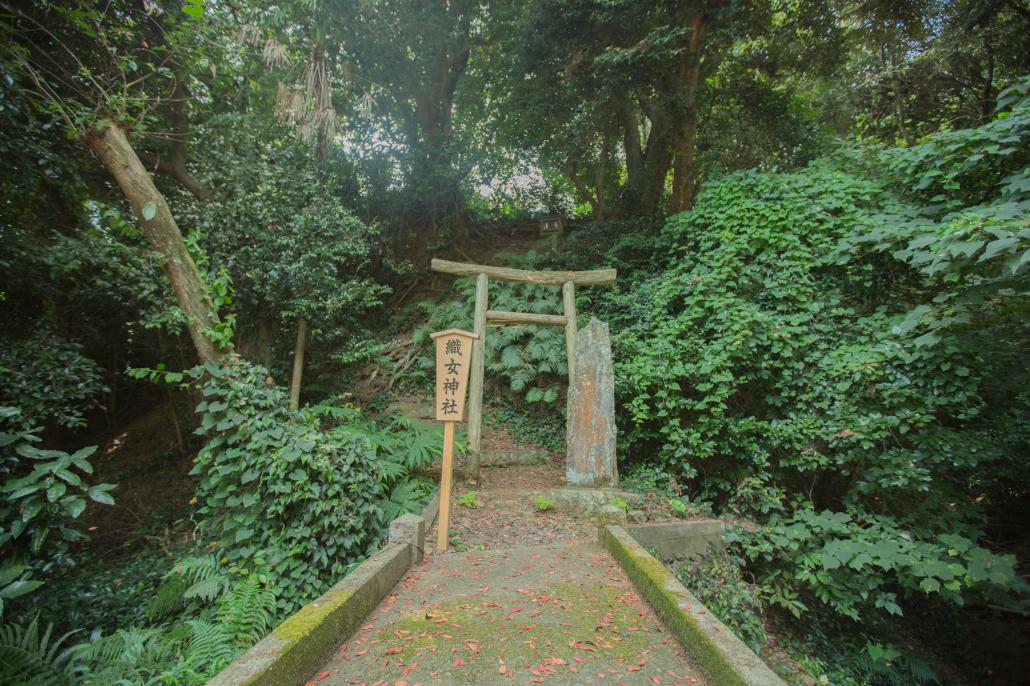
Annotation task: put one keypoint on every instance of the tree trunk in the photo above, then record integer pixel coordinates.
(899, 102)
(581, 187)
(647, 168)
(112, 146)
(298, 363)
(600, 173)
(175, 165)
(684, 181)
(987, 99)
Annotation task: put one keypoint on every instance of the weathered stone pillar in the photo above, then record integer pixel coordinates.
(410, 529)
(590, 433)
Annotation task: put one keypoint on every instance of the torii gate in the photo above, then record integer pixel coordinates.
(485, 317)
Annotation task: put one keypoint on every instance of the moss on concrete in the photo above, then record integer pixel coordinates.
(309, 617)
(653, 581)
(298, 645)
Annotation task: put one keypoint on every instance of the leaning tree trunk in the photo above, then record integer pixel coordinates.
(112, 146)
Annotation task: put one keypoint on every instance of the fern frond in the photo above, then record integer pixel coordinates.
(210, 645)
(247, 611)
(26, 657)
(201, 578)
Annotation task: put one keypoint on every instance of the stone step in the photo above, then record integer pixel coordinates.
(512, 456)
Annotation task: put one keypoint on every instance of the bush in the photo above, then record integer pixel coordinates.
(836, 352)
(49, 380)
(44, 493)
(718, 582)
(281, 497)
(859, 564)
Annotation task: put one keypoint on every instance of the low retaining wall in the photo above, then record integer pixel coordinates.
(723, 657)
(679, 540)
(303, 641)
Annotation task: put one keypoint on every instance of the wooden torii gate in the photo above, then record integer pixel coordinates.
(485, 317)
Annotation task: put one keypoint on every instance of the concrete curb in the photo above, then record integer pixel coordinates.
(721, 655)
(679, 540)
(431, 510)
(297, 646)
(304, 640)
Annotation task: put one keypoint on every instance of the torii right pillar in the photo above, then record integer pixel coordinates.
(590, 432)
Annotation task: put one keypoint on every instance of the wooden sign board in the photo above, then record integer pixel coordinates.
(453, 361)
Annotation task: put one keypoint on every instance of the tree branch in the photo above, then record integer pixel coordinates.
(174, 165)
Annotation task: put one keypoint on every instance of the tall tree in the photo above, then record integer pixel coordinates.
(103, 74)
(597, 85)
(398, 65)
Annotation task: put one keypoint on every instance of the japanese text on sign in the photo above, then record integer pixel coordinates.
(453, 355)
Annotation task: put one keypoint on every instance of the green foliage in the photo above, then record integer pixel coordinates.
(279, 495)
(527, 425)
(138, 655)
(49, 380)
(678, 506)
(619, 503)
(859, 564)
(542, 504)
(717, 580)
(44, 493)
(835, 352)
(291, 500)
(649, 478)
(28, 657)
(218, 612)
(102, 595)
(468, 500)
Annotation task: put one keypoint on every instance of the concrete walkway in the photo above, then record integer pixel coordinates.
(555, 614)
(522, 597)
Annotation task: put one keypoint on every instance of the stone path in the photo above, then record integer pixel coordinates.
(522, 597)
(554, 614)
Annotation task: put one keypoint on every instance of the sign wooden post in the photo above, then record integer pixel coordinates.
(453, 358)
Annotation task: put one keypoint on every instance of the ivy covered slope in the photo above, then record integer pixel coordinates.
(838, 353)
(297, 497)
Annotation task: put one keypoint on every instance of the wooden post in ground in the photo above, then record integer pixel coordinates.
(454, 351)
(475, 421)
(298, 363)
(568, 292)
(446, 468)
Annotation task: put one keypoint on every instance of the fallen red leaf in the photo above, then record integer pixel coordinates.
(458, 662)
(362, 652)
(323, 675)
(633, 668)
(394, 651)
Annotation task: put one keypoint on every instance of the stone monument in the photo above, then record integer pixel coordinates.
(590, 432)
